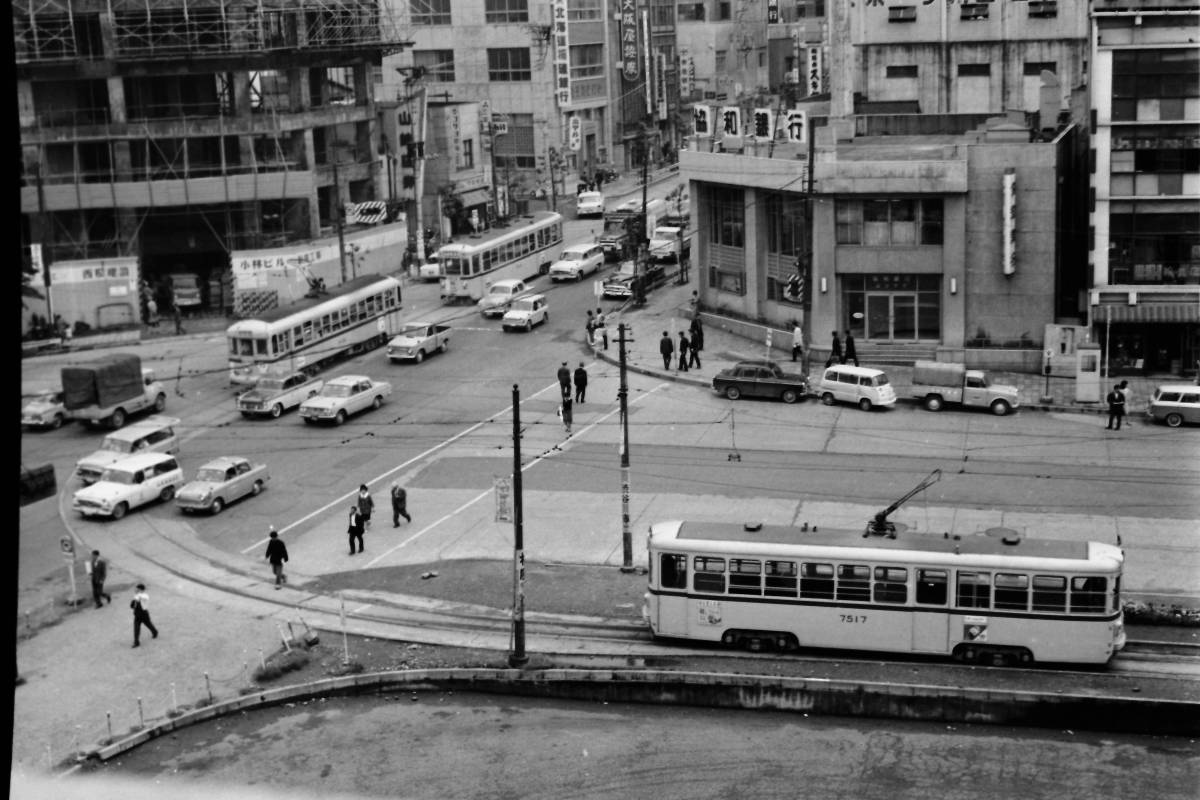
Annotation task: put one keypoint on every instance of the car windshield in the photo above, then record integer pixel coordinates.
(574, 255)
(47, 397)
(413, 330)
(881, 380)
(211, 474)
(269, 384)
(115, 445)
(337, 390)
(117, 476)
(499, 290)
(523, 305)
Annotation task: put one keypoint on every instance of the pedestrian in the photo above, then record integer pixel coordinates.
(697, 333)
(684, 347)
(694, 352)
(1128, 394)
(276, 554)
(581, 379)
(666, 349)
(591, 327)
(694, 302)
(797, 341)
(835, 352)
(355, 529)
(851, 353)
(98, 568)
(366, 504)
(1116, 407)
(141, 614)
(601, 322)
(564, 379)
(565, 411)
(599, 179)
(151, 313)
(399, 504)
(179, 331)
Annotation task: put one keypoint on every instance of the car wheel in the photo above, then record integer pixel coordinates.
(1173, 420)
(160, 402)
(864, 404)
(733, 392)
(216, 505)
(789, 396)
(276, 410)
(340, 418)
(1000, 408)
(167, 494)
(120, 510)
(444, 346)
(117, 419)
(933, 402)
(307, 420)
(420, 356)
(57, 422)
(257, 488)
(828, 399)
(377, 402)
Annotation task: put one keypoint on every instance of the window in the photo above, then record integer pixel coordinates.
(931, 587)
(691, 12)
(719, 61)
(780, 578)
(709, 574)
(1012, 592)
(1043, 8)
(509, 64)
(902, 14)
(497, 11)
(903, 71)
(816, 581)
(728, 217)
(974, 70)
(516, 148)
(723, 12)
(973, 11)
(429, 12)
(468, 153)
(673, 571)
(587, 61)
(974, 590)
(437, 64)
(1049, 593)
(585, 10)
(854, 582)
(785, 224)
(745, 576)
(891, 585)
(1088, 595)
(882, 223)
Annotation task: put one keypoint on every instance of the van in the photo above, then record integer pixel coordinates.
(156, 434)
(130, 482)
(863, 386)
(1175, 404)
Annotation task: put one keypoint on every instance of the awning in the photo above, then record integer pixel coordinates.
(1147, 312)
(476, 197)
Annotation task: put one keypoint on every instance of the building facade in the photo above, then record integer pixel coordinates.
(1144, 305)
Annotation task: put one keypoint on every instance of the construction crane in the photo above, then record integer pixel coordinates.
(881, 526)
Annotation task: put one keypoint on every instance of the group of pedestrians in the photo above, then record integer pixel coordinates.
(597, 326)
(837, 355)
(363, 507)
(688, 349)
(97, 569)
(571, 396)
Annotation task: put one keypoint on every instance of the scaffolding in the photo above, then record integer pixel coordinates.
(53, 31)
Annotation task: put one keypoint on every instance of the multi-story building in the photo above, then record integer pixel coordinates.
(645, 83)
(159, 139)
(1145, 217)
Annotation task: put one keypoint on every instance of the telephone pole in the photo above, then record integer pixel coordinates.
(517, 657)
(337, 213)
(623, 397)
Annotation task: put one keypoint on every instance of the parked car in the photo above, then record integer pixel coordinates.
(589, 204)
(1175, 404)
(431, 270)
(220, 482)
(343, 396)
(129, 483)
(44, 410)
(526, 312)
(499, 296)
(863, 386)
(760, 379)
(937, 383)
(274, 394)
(576, 261)
(155, 434)
(417, 340)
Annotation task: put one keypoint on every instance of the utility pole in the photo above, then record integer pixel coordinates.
(337, 213)
(623, 397)
(517, 657)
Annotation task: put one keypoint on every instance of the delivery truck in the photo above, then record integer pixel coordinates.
(106, 390)
(936, 383)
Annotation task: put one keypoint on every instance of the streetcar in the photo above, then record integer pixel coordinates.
(524, 249)
(997, 599)
(304, 336)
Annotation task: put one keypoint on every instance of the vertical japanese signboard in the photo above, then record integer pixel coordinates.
(772, 12)
(629, 38)
(562, 54)
(816, 70)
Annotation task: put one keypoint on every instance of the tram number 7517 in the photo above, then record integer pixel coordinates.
(852, 619)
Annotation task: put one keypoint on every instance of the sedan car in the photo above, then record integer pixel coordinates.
(526, 312)
(1175, 404)
(431, 270)
(577, 261)
(499, 296)
(589, 204)
(343, 396)
(220, 482)
(44, 410)
(760, 379)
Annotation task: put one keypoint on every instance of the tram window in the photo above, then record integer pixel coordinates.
(854, 582)
(1049, 593)
(816, 581)
(673, 569)
(891, 585)
(745, 576)
(1088, 594)
(780, 579)
(233, 347)
(1012, 591)
(297, 336)
(246, 347)
(709, 574)
(931, 587)
(260, 346)
(974, 590)
(308, 332)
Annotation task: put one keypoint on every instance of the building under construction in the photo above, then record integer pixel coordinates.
(159, 137)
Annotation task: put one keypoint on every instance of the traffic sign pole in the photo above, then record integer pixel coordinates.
(68, 549)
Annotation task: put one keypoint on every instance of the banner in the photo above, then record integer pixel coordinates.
(629, 38)
(562, 53)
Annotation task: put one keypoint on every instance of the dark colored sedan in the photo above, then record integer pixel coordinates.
(760, 379)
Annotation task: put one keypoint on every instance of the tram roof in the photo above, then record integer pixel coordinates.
(480, 239)
(305, 303)
(905, 542)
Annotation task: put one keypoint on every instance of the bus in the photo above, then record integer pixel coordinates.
(357, 315)
(524, 249)
(994, 597)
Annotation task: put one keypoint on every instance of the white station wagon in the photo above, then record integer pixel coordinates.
(129, 483)
(343, 396)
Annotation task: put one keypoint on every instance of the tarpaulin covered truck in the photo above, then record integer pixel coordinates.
(109, 388)
(936, 383)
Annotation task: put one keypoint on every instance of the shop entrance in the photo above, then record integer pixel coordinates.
(892, 317)
(892, 308)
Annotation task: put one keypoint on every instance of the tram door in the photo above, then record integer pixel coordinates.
(931, 623)
(672, 610)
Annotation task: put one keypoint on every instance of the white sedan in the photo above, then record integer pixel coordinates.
(431, 270)
(589, 204)
(220, 482)
(343, 396)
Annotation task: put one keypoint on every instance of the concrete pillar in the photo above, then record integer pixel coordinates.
(25, 110)
(310, 159)
(755, 243)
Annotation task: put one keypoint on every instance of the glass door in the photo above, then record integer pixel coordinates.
(879, 317)
(892, 317)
